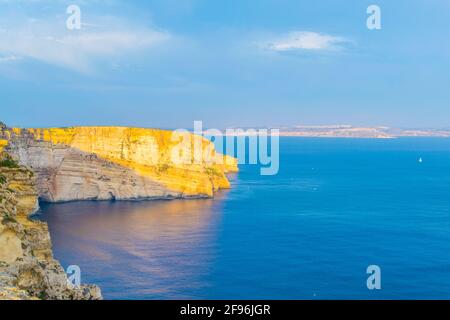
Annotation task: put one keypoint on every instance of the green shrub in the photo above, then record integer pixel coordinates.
(7, 218)
(42, 295)
(213, 172)
(2, 179)
(9, 163)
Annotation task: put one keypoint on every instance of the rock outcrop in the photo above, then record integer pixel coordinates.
(27, 267)
(103, 163)
(88, 163)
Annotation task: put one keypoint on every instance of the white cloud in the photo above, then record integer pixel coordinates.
(303, 40)
(78, 50)
(9, 58)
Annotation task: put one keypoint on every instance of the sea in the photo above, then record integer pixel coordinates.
(313, 231)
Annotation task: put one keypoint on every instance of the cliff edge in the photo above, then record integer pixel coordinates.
(27, 268)
(88, 163)
(118, 163)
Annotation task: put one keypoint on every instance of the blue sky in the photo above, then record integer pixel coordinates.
(166, 63)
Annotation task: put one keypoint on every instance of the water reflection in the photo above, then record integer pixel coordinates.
(157, 249)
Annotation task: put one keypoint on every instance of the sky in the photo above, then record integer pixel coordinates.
(233, 63)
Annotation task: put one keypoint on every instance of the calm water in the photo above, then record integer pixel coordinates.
(336, 207)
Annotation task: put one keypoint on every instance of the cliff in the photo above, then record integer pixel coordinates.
(27, 267)
(103, 163)
(88, 163)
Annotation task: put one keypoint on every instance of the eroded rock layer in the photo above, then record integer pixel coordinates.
(101, 163)
(27, 267)
(88, 163)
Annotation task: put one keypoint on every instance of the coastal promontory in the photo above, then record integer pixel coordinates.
(88, 163)
(118, 163)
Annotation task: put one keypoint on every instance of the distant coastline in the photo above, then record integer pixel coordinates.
(348, 131)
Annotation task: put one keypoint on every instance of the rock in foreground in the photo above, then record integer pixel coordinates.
(27, 268)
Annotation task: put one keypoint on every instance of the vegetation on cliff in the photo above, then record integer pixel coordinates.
(88, 163)
(8, 162)
(27, 267)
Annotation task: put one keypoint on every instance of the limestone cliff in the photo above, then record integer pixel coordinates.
(88, 163)
(27, 267)
(101, 163)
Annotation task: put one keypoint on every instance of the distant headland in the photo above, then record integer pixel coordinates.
(349, 131)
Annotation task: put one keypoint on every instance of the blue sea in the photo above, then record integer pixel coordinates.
(310, 232)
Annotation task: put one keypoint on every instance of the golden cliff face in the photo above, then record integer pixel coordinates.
(88, 163)
(101, 163)
(3, 144)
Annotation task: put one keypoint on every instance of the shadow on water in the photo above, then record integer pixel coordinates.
(150, 249)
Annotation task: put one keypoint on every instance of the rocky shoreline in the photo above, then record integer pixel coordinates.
(87, 163)
(28, 270)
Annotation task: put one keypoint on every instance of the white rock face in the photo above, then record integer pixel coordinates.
(66, 174)
(105, 163)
